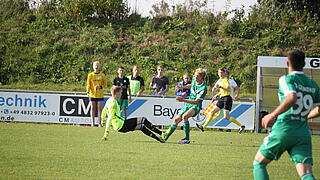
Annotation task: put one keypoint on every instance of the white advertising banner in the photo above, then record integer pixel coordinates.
(280, 62)
(162, 111)
(75, 109)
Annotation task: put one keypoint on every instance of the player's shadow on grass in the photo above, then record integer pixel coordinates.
(195, 143)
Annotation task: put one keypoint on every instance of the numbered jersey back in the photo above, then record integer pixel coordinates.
(307, 92)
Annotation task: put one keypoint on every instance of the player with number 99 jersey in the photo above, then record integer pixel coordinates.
(294, 120)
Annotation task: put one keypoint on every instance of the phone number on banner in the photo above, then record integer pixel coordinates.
(27, 112)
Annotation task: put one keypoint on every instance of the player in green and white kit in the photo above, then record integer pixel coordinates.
(290, 132)
(123, 125)
(192, 107)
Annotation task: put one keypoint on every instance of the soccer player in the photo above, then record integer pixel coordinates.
(124, 83)
(235, 89)
(125, 125)
(224, 101)
(290, 132)
(159, 83)
(96, 82)
(136, 82)
(183, 88)
(192, 107)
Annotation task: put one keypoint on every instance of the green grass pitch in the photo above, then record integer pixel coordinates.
(50, 151)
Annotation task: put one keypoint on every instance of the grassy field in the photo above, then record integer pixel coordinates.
(48, 151)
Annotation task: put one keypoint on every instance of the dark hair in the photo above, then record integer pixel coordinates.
(297, 59)
(121, 67)
(222, 70)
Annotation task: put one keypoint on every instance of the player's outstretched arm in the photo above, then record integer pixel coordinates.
(180, 99)
(108, 122)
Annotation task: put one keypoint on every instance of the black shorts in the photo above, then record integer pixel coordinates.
(225, 102)
(129, 125)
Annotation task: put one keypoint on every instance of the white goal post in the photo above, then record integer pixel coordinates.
(269, 69)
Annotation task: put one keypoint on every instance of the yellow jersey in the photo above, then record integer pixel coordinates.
(93, 80)
(223, 82)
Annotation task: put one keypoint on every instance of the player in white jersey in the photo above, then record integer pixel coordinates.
(235, 89)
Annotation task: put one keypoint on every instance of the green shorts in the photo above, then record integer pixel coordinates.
(189, 106)
(298, 147)
(123, 103)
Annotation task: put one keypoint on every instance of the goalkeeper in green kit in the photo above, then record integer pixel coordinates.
(125, 125)
(290, 132)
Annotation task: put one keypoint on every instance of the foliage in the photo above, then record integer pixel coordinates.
(311, 6)
(105, 10)
(56, 44)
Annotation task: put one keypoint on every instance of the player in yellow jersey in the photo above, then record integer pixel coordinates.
(96, 82)
(224, 101)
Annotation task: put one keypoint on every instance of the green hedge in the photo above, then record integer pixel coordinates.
(46, 46)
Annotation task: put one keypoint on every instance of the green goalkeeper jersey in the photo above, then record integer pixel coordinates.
(294, 121)
(112, 108)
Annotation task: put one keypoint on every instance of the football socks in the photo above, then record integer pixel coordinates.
(260, 171)
(187, 130)
(208, 120)
(171, 129)
(235, 121)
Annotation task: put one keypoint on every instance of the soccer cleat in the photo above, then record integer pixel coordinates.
(160, 139)
(241, 129)
(100, 125)
(164, 136)
(104, 138)
(199, 126)
(184, 141)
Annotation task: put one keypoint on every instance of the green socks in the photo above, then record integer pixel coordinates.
(187, 130)
(171, 129)
(308, 176)
(260, 171)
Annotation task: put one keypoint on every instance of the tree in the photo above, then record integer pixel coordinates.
(312, 6)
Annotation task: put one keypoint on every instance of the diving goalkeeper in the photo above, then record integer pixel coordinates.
(125, 125)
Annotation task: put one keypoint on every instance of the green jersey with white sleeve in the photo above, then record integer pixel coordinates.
(294, 121)
(198, 92)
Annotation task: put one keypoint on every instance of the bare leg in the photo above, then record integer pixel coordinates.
(210, 118)
(99, 112)
(259, 167)
(185, 118)
(93, 111)
(304, 169)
